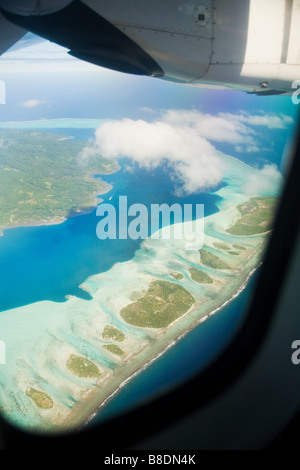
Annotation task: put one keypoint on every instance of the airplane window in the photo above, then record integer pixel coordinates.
(135, 214)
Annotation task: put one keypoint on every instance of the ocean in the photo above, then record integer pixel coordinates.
(51, 262)
(186, 358)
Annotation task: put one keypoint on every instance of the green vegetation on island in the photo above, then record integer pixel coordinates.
(114, 349)
(201, 277)
(44, 177)
(239, 247)
(256, 216)
(212, 261)
(233, 253)
(177, 276)
(221, 246)
(163, 303)
(82, 367)
(41, 399)
(112, 333)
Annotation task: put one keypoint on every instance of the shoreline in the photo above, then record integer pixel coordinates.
(95, 398)
(77, 326)
(60, 220)
(169, 346)
(75, 420)
(173, 343)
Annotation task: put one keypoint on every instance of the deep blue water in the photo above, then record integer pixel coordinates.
(50, 262)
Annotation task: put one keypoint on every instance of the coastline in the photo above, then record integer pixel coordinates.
(169, 346)
(93, 199)
(60, 220)
(94, 399)
(40, 223)
(90, 406)
(77, 325)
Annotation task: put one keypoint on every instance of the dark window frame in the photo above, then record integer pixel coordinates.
(195, 393)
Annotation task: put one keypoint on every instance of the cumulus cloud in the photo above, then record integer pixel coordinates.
(247, 148)
(192, 158)
(236, 129)
(148, 110)
(267, 180)
(219, 128)
(33, 103)
(184, 141)
(271, 121)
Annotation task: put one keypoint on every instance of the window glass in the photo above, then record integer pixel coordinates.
(134, 218)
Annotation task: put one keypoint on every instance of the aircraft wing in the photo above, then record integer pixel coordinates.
(249, 45)
(9, 34)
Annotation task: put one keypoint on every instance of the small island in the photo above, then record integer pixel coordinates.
(114, 349)
(239, 247)
(200, 276)
(164, 303)
(112, 333)
(41, 399)
(82, 367)
(177, 276)
(212, 261)
(221, 246)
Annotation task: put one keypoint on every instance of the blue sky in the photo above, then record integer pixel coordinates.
(44, 82)
(39, 71)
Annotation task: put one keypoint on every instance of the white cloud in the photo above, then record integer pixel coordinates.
(192, 158)
(247, 149)
(267, 180)
(148, 110)
(86, 154)
(183, 139)
(218, 128)
(33, 103)
(272, 121)
(236, 129)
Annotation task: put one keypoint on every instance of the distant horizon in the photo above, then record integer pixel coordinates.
(63, 287)
(96, 122)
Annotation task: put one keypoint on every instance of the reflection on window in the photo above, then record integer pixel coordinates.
(133, 227)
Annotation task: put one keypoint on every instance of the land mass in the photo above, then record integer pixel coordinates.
(163, 303)
(81, 352)
(44, 178)
(256, 216)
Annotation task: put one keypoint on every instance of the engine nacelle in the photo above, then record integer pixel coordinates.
(33, 7)
(249, 45)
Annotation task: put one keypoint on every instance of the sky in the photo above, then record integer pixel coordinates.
(149, 120)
